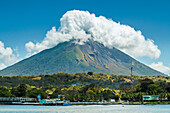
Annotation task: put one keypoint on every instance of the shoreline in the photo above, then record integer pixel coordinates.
(79, 103)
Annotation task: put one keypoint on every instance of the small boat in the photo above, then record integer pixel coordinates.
(67, 103)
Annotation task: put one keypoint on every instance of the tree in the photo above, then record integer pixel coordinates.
(90, 95)
(56, 93)
(35, 92)
(21, 90)
(90, 73)
(168, 87)
(72, 93)
(152, 89)
(143, 85)
(108, 94)
(4, 92)
(127, 86)
(14, 92)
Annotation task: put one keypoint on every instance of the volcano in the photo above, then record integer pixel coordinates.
(73, 58)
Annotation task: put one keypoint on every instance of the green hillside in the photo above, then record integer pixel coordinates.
(73, 58)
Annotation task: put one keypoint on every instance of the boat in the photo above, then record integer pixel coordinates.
(67, 103)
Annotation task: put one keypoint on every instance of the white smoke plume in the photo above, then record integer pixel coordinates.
(82, 25)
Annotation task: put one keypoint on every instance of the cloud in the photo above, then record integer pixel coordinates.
(2, 66)
(82, 26)
(7, 56)
(29, 46)
(160, 67)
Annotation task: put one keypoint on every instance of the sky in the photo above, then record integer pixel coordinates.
(26, 26)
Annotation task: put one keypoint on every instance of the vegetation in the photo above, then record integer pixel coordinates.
(146, 87)
(85, 87)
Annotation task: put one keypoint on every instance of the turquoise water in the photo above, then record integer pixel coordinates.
(86, 109)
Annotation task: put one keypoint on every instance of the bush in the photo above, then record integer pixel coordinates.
(90, 73)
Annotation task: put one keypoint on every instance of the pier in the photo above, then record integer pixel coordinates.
(16, 100)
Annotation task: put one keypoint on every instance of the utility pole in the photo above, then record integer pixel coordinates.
(131, 72)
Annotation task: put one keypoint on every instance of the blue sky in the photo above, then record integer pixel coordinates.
(22, 21)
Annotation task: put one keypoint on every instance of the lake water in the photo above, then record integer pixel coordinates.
(85, 109)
